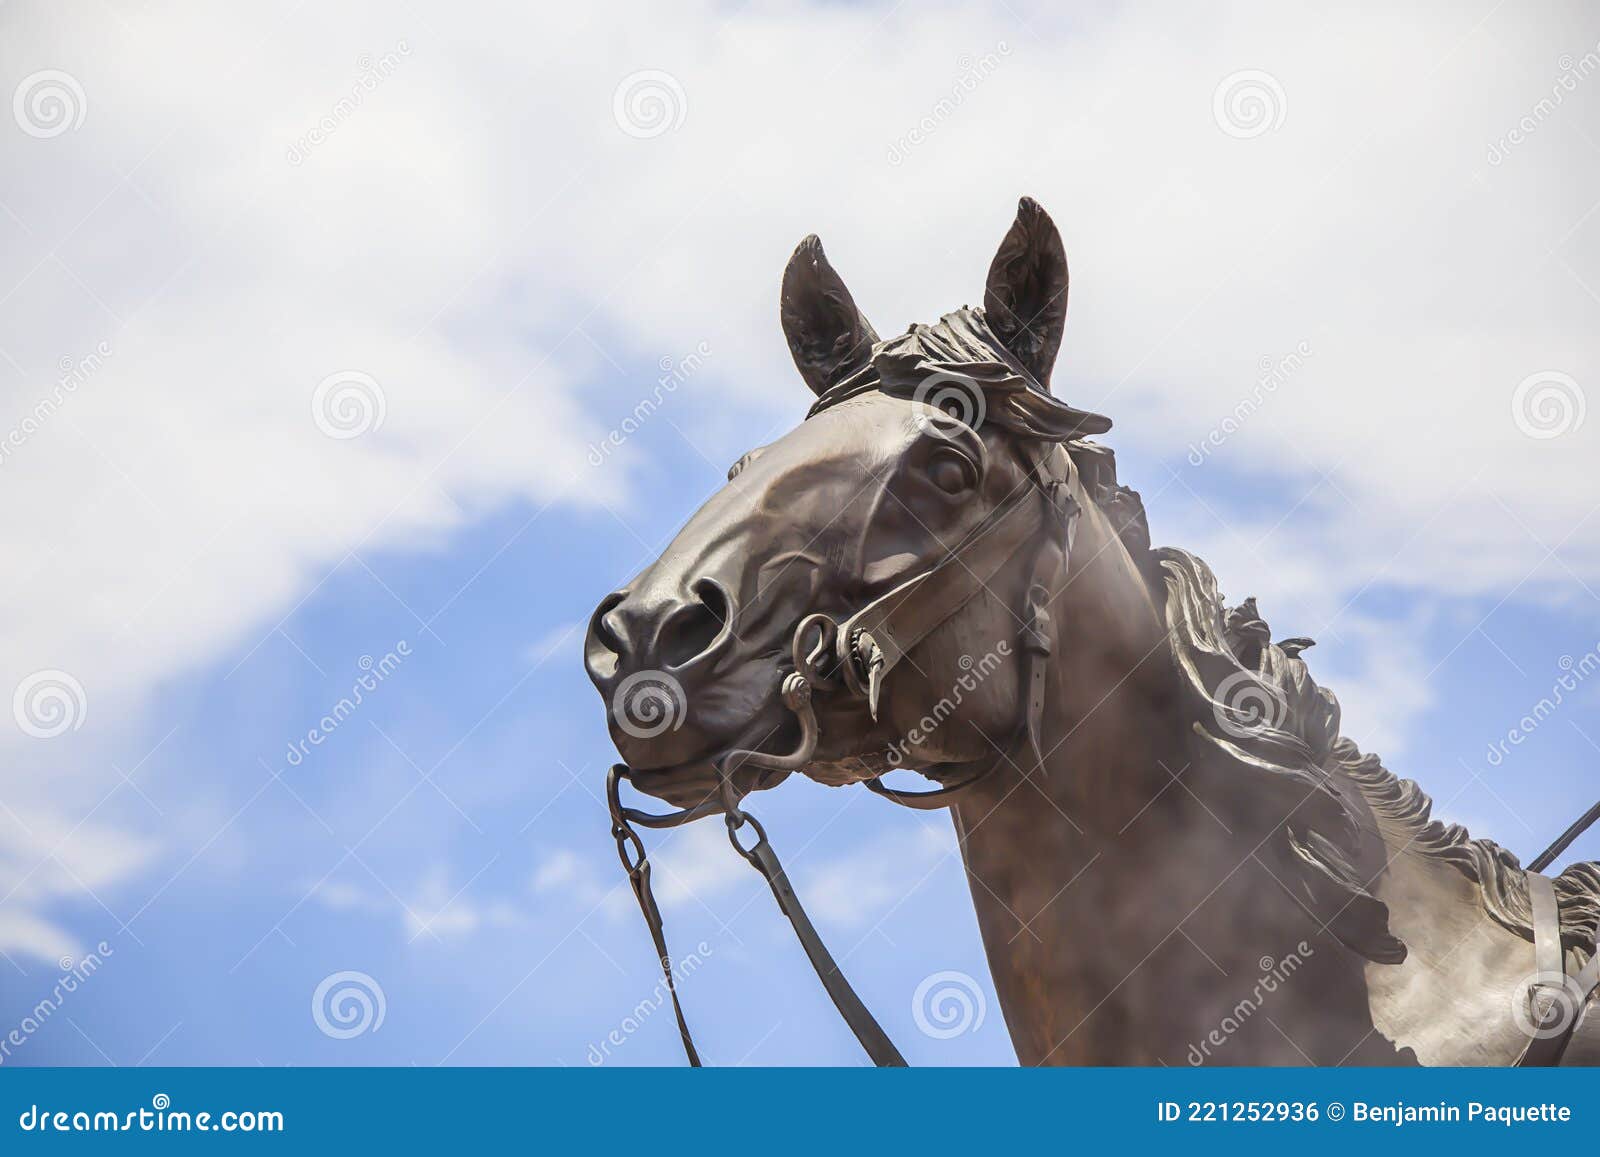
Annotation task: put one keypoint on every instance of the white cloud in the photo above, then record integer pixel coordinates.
(436, 908)
(560, 870)
(46, 859)
(695, 865)
(581, 884)
(481, 238)
(864, 885)
(558, 640)
(342, 896)
(440, 910)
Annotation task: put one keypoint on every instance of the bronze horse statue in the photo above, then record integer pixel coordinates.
(1175, 856)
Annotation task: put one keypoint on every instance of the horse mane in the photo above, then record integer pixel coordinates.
(1256, 714)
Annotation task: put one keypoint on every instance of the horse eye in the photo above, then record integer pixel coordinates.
(950, 473)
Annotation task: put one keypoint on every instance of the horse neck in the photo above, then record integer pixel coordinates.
(1111, 691)
(1084, 872)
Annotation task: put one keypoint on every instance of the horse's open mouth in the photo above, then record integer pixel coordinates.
(697, 781)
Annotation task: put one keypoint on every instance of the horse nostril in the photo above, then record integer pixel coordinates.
(607, 642)
(696, 626)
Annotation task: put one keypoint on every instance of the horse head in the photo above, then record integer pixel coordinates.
(883, 586)
(936, 453)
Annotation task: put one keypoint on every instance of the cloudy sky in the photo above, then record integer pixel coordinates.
(321, 328)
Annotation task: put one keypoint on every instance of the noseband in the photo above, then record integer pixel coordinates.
(858, 654)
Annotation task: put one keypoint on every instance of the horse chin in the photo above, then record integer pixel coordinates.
(847, 769)
(696, 781)
(853, 748)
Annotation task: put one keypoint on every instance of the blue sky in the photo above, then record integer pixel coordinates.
(510, 261)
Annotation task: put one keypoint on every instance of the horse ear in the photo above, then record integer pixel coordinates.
(827, 334)
(1025, 302)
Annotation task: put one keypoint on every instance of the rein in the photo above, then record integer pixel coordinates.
(858, 654)
(1555, 1000)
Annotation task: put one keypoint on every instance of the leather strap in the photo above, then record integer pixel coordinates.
(1547, 857)
(639, 877)
(900, 619)
(927, 801)
(761, 857)
(1553, 995)
(1038, 640)
(1549, 960)
(866, 1029)
(1546, 927)
(1546, 1052)
(652, 917)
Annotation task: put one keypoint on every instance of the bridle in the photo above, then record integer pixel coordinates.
(857, 655)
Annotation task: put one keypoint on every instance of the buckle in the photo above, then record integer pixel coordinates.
(1036, 635)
